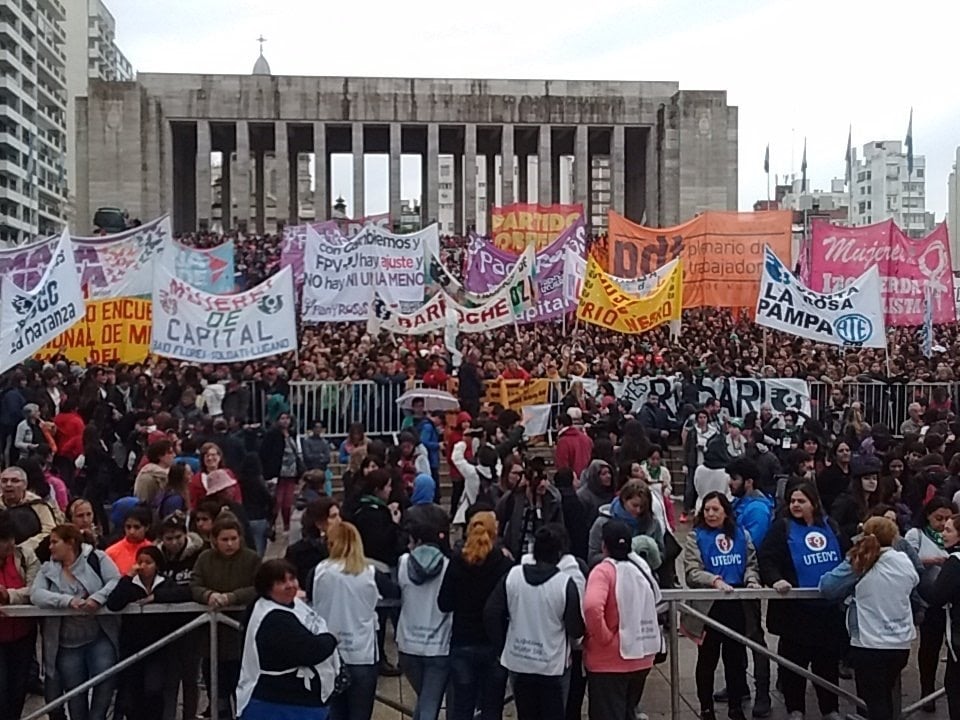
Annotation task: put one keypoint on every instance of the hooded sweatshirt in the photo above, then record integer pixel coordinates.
(423, 630)
(424, 488)
(646, 525)
(150, 483)
(592, 494)
(754, 513)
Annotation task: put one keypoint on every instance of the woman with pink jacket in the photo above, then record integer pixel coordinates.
(622, 633)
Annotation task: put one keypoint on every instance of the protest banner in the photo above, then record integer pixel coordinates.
(516, 394)
(722, 253)
(488, 265)
(116, 330)
(575, 269)
(210, 269)
(514, 297)
(516, 226)
(189, 324)
(294, 237)
(852, 316)
(110, 266)
(908, 267)
(737, 396)
(29, 318)
(340, 277)
(604, 303)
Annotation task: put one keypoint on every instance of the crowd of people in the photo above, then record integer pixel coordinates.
(162, 482)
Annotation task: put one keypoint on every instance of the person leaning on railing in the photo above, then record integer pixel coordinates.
(797, 551)
(78, 647)
(879, 580)
(946, 592)
(18, 636)
(719, 554)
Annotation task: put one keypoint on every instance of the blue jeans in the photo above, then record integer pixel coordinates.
(356, 702)
(77, 665)
(428, 678)
(260, 529)
(478, 680)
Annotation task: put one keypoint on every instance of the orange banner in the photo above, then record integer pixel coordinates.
(115, 330)
(520, 224)
(722, 253)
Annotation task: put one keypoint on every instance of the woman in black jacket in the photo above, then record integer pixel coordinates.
(476, 676)
(946, 591)
(141, 691)
(311, 549)
(378, 522)
(797, 551)
(180, 549)
(257, 501)
(866, 490)
(836, 477)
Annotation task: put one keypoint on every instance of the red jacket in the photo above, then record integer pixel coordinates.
(435, 379)
(70, 427)
(574, 448)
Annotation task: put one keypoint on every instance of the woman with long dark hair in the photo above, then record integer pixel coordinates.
(836, 477)
(720, 555)
(865, 490)
(801, 547)
(312, 548)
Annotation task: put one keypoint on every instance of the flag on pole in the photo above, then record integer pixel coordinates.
(766, 160)
(909, 144)
(849, 156)
(927, 330)
(803, 168)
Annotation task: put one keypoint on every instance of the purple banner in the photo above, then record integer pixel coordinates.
(488, 266)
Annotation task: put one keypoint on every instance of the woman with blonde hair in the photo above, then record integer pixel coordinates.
(345, 595)
(476, 676)
(878, 580)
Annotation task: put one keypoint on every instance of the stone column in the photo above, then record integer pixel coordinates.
(507, 165)
(395, 154)
(260, 194)
(458, 193)
(281, 167)
(581, 170)
(523, 177)
(356, 147)
(226, 189)
(241, 181)
(617, 167)
(470, 178)
(321, 196)
(168, 203)
(204, 187)
(430, 195)
(544, 167)
(490, 165)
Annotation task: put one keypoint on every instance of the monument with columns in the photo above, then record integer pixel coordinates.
(146, 145)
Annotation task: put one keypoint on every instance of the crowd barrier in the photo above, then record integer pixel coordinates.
(339, 404)
(678, 601)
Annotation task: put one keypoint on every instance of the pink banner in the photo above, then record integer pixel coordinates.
(907, 267)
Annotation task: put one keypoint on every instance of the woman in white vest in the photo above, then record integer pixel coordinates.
(423, 631)
(927, 540)
(622, 635)
(720, 555)
(876, 580)
(533, 615)
(290, 664)
(345, 595)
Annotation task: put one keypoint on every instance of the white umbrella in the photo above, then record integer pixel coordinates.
(433, 400)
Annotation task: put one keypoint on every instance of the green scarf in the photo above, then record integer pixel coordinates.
(934, 535)
(654, 472)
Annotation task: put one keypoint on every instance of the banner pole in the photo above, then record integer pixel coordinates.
(764, 357)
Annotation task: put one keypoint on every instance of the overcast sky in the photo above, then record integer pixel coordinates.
(794, 69)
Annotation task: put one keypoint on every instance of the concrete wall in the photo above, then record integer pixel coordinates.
(686, 162)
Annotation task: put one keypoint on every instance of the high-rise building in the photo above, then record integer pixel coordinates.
(883, 188)
(91, 54)
(953, 212)
(32, 118)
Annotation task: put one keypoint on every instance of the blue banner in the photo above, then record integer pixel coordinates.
(210, 269)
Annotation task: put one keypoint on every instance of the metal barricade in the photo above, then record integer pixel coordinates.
(885, 403)
(678, 601)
